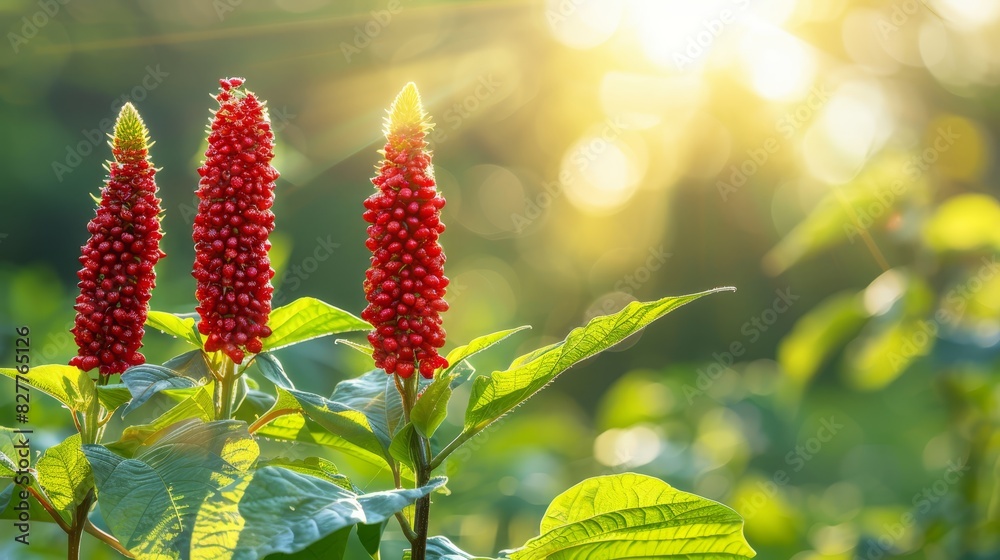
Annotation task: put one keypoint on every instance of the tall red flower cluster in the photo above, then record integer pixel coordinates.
(234, 219)
(405, 285)
(117, 277)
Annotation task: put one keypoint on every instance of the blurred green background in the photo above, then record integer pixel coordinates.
(831, 159)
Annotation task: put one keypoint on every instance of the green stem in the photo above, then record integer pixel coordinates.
(225, 385)
(93, 431)
(79, 524)
(420, 451)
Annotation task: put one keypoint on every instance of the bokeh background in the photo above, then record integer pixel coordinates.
(832, 159)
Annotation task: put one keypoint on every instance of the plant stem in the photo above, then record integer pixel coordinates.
(79, 523)
(92, 432)
(419, 451)
(421, 516)
(225, 385)
(269, 416)
(107, 539)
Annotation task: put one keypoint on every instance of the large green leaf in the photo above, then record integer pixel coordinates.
(175, 325)
(477, 345)
(440, 548)
(432, 406)
(331, 547)
(308, 318)
(113, 396)
(635, 516)
(193, 365)
(348, 423)
(370, 537)
(64, 473)
(67, 384)
(147, 380)
(284, 511)
(312, 466)
(200, 406)
(272, 370)
(154, 502)
(498, 394)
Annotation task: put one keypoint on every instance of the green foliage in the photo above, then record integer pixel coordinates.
(458, 355)
(635, 516)
(440, 548)
(64, 473)
(432, 406)
(145, 381)
(308, 318)
(175, 325)
(66, 384)
(498, 394)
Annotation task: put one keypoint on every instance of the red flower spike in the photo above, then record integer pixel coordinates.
(117, 277)
(405, 285)
(233, 223)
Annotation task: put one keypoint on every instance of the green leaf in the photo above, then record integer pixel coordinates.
(146, 380)
(363, 348)
(477, 345)
(331, 547)
(371, 537)
(399, 449)
(113, 396)
(635, 516)
(432, 405)
(312, 466)
(193, 365)
(199, 405)
(176, 325)
(308, 318)
(8, 453)
(498, 394)
(64, 473)
(440, 548)
(271, 369)
(284, 511)
(66, 384)
(347, 423)
(174, 499)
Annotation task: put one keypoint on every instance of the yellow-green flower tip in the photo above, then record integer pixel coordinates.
(131, 134)
(407, 112)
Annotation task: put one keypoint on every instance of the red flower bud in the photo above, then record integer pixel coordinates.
(405, 285)
(233, 223)
(117, 275)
